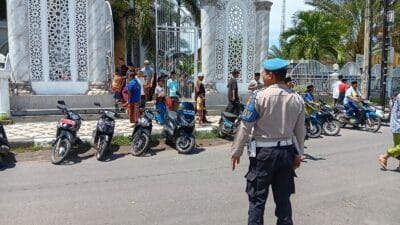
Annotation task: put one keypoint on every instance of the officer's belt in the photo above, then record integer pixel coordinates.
(261, 144)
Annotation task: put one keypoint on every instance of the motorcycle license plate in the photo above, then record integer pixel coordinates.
(68, 122)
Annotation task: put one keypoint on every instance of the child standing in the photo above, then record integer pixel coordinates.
(200, 108)
(160, 101)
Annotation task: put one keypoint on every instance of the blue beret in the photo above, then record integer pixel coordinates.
(275, 64)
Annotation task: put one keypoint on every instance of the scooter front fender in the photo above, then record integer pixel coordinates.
(65, 134)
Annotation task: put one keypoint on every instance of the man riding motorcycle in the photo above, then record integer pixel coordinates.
(351, 99)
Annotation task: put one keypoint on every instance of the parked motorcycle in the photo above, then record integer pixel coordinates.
(330, 125)
(66, 134)
(367, 118)
(179, 127)
(313, 126)
(4, 145)
(383, 114)
(103, 134)
(141, 132)
(228, 124)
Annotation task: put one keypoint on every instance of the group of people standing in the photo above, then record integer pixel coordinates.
(133, 87)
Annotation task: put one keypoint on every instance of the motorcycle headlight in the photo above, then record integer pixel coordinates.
(143, 122)
(106, 125)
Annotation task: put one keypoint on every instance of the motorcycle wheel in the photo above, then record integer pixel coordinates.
(373, 124)
(140, 143)
(314, 131)
(331, 128)
(221, 134)
(60, 150)
(101, 148)
(185, 143)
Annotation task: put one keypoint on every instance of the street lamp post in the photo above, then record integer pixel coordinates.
(385, 51)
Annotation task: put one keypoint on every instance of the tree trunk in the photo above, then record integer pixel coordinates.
(120, 45)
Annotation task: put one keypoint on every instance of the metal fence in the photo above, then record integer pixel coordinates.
(177, 39)
(351, 71)
(311, 72)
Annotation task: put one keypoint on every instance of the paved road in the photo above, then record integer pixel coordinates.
(339, 184)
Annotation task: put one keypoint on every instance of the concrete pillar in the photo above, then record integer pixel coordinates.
(208, 37)
(263, 9)
(97, 47)
(18, 39)
(4, 92)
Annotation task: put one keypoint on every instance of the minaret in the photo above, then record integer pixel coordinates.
(283, 19)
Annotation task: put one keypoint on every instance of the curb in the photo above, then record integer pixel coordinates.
(47, 141)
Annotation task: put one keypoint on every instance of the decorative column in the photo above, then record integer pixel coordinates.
(97, 47)
(18, 36)
(208, 37)
(263, 9)
(4, 92)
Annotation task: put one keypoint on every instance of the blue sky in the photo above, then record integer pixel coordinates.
(292, 6)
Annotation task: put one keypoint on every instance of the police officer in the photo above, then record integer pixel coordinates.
(274, 118)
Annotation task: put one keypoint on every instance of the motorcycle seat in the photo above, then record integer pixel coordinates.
(229, 115)
(172, 115)
(341, 107)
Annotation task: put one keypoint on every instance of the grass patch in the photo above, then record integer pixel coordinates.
(121, 140)
(4, 117)
(20, 150)
(206, 134)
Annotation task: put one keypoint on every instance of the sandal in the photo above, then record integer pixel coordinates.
(382, 162)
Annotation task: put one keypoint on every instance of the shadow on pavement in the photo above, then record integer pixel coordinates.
(114, 153)
(77, 154)
(8, 161)
(313, 158)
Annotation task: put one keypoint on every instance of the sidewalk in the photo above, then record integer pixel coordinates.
(43, 133)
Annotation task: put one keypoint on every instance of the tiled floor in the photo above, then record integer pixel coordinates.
(46, 130)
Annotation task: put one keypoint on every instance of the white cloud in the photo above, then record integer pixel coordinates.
(292, 6)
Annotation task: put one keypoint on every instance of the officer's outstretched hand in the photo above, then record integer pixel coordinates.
(235, 160)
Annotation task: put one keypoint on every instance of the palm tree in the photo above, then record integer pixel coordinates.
(315, 35)
(349, 13)
(136, 24)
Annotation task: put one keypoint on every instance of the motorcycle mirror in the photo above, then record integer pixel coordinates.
(97, 104)
(61, 102)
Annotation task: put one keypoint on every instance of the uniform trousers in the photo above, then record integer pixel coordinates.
(271, 167)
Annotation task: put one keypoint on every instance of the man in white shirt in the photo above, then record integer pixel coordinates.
(335, 89)
(351, 98)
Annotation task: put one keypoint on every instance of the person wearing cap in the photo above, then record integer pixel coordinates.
(255, 84)
(201, 90)
(149, 77)
(274, 119)
(233, 95)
